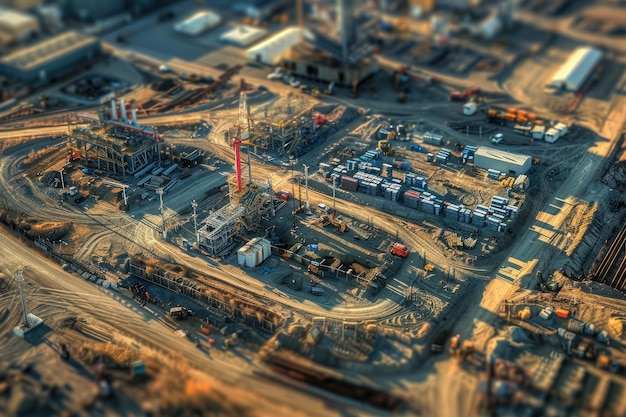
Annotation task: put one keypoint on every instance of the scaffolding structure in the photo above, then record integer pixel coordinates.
(121, 147)
(282, 137)
(244, 213)
(217, 232)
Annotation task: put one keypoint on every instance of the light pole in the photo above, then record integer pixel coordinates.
(19, 276)
(194, 206)
(306, 187)
(160, 193)
(272, 209)
(293, 191)
(334, 201)
(62, 182)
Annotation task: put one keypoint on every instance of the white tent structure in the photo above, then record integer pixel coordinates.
(198, 23)
(578, 67)
(243, 35)
(270, 50)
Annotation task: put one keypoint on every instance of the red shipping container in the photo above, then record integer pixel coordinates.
(562, 313)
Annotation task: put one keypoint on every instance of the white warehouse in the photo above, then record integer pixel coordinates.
(507, 162)
(576, 70)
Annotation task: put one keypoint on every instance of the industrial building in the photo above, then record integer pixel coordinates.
(344, 58)
(576, 70)
(22, 4)
(92, 10)
(502, 161)
(243, 35)
(264, 9)
(198, 23)
(119, 145)
(16, 26)
(271, 50)
(51, 58)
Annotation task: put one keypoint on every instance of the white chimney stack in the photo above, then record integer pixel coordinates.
(134, 112)
(123, 109)
(113, 110)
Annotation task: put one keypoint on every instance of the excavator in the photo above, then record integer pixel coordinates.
(341, 226)
(461, 350)
(385, 145)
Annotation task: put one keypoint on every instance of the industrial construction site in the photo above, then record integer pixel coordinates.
(314, 208)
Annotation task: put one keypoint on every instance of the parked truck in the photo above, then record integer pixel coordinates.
(400, 250)
(464, 95)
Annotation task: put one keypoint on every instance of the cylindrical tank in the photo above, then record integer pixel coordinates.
(589, 329)
(522, 113)
(575, 326)
(531, 116)
(511, 110)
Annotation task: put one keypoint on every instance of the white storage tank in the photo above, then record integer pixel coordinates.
(253, 253)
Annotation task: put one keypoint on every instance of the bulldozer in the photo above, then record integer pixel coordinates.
(314, 268)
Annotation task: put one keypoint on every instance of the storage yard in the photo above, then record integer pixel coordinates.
(367, 221)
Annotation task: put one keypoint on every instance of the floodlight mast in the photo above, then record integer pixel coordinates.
(19, 277)
(160, 193)
(194, 206)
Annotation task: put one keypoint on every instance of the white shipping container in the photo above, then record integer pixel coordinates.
(552, 135)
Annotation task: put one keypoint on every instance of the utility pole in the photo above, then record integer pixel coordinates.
(194, 206)
(160, 193)
(19, 276)
(306, 187)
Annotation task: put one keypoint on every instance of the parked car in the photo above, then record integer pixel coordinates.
(276, 75)
(497, 138)
(294, 83)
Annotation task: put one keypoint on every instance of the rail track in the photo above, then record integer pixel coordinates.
(612, 267)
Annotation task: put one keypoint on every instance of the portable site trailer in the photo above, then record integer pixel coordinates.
(552, 135)
(470, 108)
(537, 132)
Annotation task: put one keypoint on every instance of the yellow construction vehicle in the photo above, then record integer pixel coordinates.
(461, 350)
(385, 145)
(340, 225)
(314, 268)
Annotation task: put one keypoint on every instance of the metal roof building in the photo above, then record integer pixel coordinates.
(243, 35)
(578, 67)
(198, 23)
(507, 162)
(50, 58)
(16, 25)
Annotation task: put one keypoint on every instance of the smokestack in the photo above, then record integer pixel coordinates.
(113, 110)
(123, 109)
(134, 113)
